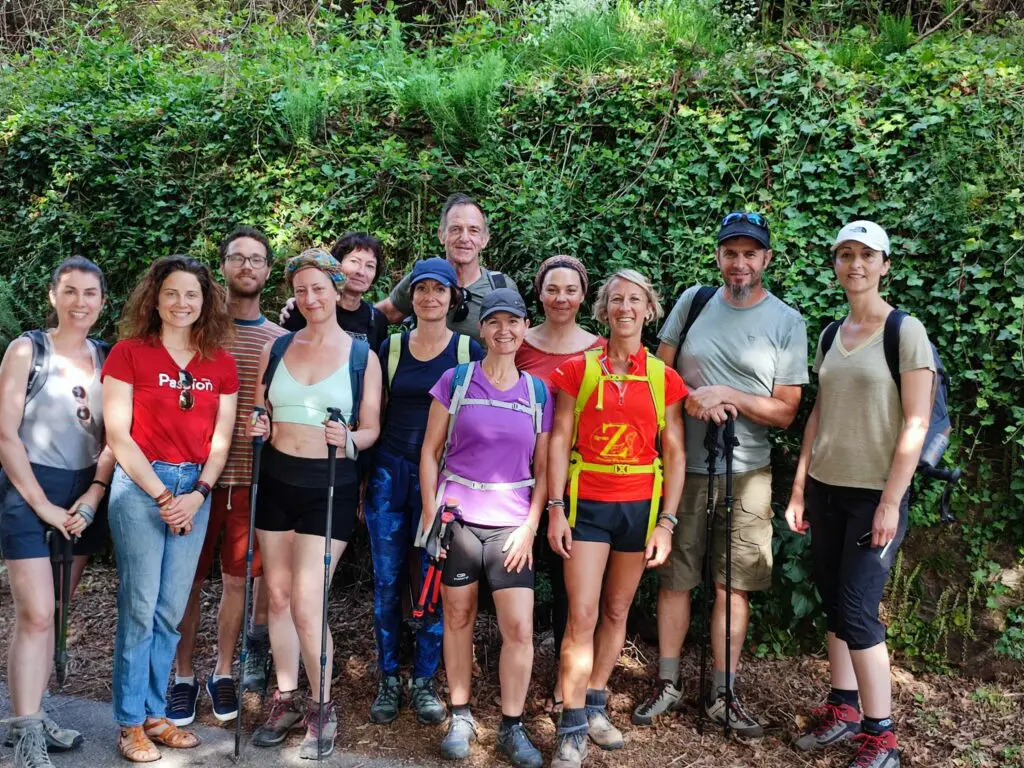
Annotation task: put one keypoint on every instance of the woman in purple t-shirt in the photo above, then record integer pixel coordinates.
(494, 456)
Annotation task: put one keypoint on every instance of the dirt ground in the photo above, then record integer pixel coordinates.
(941, 720)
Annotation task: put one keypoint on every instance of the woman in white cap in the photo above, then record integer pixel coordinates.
(861, 447)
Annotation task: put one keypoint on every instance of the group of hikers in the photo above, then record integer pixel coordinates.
(477, 447)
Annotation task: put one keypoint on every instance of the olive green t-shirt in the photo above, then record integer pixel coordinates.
(860, 414)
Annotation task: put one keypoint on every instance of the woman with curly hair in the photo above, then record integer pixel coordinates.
(169, 396)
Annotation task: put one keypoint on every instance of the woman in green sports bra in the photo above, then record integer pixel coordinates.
(312, 374)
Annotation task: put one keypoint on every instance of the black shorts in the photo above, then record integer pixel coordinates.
(476, 549)
(850, 578)
(622, 524)
(284, 505)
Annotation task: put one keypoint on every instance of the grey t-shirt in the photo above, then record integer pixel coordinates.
(752, 350)
(401, 297)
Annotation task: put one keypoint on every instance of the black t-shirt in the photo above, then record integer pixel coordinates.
(366, 323)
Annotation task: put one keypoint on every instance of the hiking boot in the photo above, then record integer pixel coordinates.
(57, 739)
(461, 732)
(570, 748)
(319, 742)
(830, 724)
(742, 724)
(181, 703)
(514, 743)
(424, 699)
(29, 739)
(665, 697)
(284, 716)
(389, 699)
(876, 750)
(602, 731)
(222, 694)
(258, 663)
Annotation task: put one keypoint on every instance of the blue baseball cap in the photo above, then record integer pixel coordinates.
(502, 300)
(434, 268)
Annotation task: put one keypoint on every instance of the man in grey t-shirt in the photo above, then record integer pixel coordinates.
(463, 233)
(745, 356)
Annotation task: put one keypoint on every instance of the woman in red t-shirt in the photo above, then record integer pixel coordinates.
(169, 396)
(605, 473)
(561, 284)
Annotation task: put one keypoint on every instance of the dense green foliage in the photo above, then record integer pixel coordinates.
(619, 135)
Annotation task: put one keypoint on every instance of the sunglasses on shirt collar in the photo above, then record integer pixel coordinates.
(186, 400)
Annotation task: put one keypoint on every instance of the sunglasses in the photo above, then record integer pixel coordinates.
(83, 413)
(462, 308)
(754, 218)
(186, 400)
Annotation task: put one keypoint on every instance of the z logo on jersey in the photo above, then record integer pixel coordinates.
(620, 443)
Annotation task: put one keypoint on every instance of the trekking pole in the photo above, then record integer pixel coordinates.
(333, 414)
(730, 442)
(711, 446)
(441, 529)
(61, 558)
(257, 450)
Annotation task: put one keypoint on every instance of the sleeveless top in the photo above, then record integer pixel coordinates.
(62, 426)
(296, 403)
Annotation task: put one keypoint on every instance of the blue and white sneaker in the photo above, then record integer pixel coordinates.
(181, 703)
(222, 694)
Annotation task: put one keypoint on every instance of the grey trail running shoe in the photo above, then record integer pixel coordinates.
(461, 732)
(57, 739)
(602, 731)
(29, 743)
(389, 700)
(570, 748)
(830, 724)
(319, 742)
(742, 724)
(258, 663)
(665, 697)
(876, 750)
(284, 716)
(425, 701)
(514, 742)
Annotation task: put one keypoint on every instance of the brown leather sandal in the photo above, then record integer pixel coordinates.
(135, 746)
(163, 731)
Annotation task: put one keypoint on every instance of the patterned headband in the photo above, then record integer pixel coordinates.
(316, 258)
(561, 262)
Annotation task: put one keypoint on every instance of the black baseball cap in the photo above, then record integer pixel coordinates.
(739, 224)
(502, 300)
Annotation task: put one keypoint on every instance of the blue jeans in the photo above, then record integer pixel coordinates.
(392, 516)
(155, 568)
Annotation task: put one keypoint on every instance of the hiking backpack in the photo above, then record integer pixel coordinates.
(395, 353)
(939, 426)
(39, 369)
(700, 300)
(356, 366)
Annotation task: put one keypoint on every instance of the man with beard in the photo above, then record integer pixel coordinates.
(744, 356)
(245, 261)
(464, 234)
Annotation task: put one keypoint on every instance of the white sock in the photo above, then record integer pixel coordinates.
(190, 680)
(218, 678)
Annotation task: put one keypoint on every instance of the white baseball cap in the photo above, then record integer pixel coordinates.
(865, 232)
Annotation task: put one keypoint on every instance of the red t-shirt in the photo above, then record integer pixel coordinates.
(624, 432)
(162, 430)
(542, 364)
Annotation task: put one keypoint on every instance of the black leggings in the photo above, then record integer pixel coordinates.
(851, 578)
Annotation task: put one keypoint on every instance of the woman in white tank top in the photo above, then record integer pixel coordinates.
(56, 471)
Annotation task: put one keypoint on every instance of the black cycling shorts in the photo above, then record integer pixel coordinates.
(476, 550)
(621, 524)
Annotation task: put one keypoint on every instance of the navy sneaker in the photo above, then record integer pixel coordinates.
(514, 742)
(222, 694)
(461, 731)
(181, 703)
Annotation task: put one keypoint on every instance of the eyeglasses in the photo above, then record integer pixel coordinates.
(754, 218)
(186, 400)
(83, 413)
(237, 260)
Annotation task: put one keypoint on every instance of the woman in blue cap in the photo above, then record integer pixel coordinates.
(412, 363)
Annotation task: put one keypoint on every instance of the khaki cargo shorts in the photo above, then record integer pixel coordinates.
(751, 533)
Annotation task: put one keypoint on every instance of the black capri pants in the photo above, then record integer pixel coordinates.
(850, 578)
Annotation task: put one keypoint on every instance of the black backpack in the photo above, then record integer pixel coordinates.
(357, 367)
(939, 425)
(700, 300)
(41, 357)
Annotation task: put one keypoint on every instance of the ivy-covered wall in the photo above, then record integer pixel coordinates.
(619, 136)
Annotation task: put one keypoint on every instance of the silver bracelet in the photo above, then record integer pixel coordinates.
(86, 512)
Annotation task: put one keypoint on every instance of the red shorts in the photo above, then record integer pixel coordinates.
(234, 522)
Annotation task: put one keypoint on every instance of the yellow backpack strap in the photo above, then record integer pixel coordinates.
(591, 380)
(462, 349)
(394, 355)
(656, 380)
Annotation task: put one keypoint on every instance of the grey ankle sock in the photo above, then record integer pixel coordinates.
(668, 669)
(720, 681)
(597, 699)
(190, 680)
